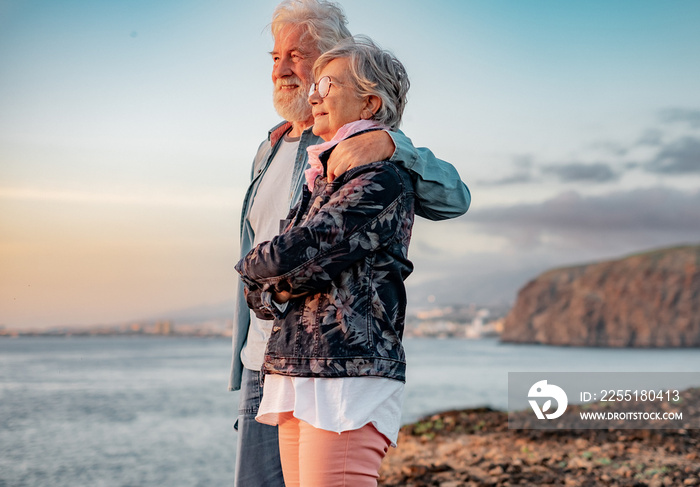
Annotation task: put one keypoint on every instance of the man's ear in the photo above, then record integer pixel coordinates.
(372, 105)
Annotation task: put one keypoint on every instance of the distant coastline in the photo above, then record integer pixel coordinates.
(456, 321)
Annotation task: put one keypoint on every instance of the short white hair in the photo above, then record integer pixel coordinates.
(324, 21)
(373, 71)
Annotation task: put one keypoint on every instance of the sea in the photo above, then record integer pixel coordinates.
(155, 411)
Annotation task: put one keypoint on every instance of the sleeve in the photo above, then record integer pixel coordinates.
(440, 192)
(360, 217)
(260, 302)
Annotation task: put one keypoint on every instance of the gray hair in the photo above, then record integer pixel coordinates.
(373, 71)
(324, 21)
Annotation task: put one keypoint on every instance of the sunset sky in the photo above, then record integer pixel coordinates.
(127, 130)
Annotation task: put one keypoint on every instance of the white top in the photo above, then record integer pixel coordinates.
(339, 404)
(270, 205)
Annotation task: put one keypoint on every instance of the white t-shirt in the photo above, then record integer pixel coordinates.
(270, 205)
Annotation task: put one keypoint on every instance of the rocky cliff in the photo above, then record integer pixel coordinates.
(644, 300)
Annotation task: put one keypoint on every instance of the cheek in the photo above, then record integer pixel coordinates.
(335, 118)
(347, 112)
(304, 72)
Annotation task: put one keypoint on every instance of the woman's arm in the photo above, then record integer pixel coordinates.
(360, 217)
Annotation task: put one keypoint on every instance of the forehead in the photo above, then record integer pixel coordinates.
(294, 38)
(337, 69)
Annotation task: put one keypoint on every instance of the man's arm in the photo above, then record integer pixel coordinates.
(440, 193)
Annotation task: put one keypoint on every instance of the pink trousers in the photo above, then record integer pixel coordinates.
(313, 457)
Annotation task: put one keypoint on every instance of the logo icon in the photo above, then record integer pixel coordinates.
(542, 389)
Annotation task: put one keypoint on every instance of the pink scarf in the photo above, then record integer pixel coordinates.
(315, 166)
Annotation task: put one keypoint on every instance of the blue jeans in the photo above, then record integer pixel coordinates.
(258, 456)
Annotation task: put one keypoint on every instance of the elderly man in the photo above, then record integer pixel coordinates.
(302, 30)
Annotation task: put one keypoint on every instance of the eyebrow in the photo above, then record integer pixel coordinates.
(297, 49)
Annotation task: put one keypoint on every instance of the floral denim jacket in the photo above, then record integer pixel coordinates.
(345, 251)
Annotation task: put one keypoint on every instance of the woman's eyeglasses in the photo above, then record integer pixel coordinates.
(323, 86)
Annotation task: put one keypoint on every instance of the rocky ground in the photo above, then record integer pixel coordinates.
(476, 448)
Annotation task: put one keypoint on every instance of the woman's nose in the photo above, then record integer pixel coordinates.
(314, 99)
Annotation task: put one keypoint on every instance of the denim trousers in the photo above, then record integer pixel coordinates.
(258, 455)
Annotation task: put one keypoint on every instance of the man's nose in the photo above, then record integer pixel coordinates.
(282, 67)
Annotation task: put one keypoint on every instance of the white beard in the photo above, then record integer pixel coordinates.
(293, 106)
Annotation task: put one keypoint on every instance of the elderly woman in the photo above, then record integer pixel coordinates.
(333, 283)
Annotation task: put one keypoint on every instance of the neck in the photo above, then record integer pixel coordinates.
(299, 127)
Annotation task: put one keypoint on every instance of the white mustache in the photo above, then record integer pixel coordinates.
(290, 80)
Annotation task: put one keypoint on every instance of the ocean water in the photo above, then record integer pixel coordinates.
(148, 411)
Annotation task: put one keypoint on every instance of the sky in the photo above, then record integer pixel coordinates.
(127, 131)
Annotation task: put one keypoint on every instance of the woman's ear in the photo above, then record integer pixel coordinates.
(372, 106)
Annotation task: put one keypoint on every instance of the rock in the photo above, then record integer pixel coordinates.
(414, 470)
(644, 300)
(496, 471)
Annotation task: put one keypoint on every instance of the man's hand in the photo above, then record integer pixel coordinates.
(373, 146)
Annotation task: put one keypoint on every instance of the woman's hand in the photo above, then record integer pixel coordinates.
(284, 296)
(254, 300)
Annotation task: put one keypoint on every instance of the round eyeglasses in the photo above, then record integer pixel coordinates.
(323, 86)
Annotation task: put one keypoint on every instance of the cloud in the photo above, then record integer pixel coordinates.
(681, 115)
(523, 173)
(576, 171)
(568, 229)
(566, 173)
(611, 148)
(681, 156)
(651, 137)
(515, 178)
(617, 221)
(657, 150)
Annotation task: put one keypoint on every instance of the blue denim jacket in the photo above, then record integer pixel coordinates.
(346, 253)
(440, 194)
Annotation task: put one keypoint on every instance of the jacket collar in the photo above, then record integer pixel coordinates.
(278, 131)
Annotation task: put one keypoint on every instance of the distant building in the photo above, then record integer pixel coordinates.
(458, 321)
(163, 328)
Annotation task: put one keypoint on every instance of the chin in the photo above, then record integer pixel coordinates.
(321, 132)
